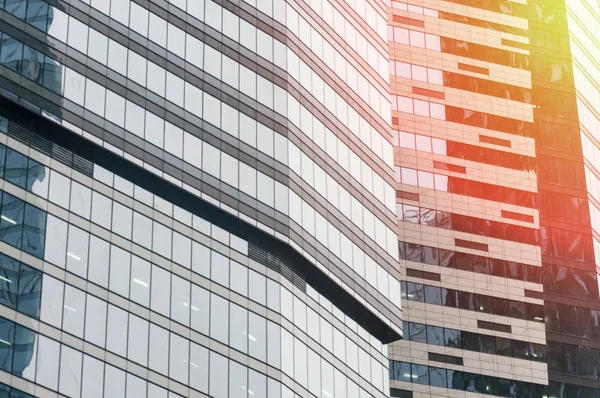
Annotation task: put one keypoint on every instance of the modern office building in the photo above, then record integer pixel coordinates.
(496, 113)
(197, 199)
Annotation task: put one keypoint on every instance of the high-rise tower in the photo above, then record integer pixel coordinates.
(197, 199)
(496, 119)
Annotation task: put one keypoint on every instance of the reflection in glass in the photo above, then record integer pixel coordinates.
(24, 352)
(29, 291)
(11, 220)
(11, 52)
(15, 170)
(9, 272)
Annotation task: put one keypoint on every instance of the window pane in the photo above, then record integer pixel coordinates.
(7, 329)
(116, 336)
(34, 231)
(160, 293)
(77, 251)
(11, 222)
(56, 241)
(435, 335)
(9, 274)
(60, 188)
(257, 336)
(199, 368)
(114, 382)
(437, 377)
(29, 291)
(93, 377)
(47, 362)
(418, 332)
(73, 311)
(180, 300)
(137, 346)
(420, 374)
(200, 313)
(120, 267)
(70, 371)
(238, 331)
(52, 301)
(159, 350)
(15, 170)
(219, 318)
(99, 261)
(140, 281)
(95, 321)
(25, 347)
(81, 200)
(218, 375)
(219, 268)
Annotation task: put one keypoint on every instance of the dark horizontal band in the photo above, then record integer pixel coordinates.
(219, 217)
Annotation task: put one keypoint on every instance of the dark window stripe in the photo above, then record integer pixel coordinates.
(415, 273)
(474, 69)
(498, 327)
(448, 16)
(428, 93)
(434, 356)
(407, 195)
(468, 224)
(487, 87)
(502, 7)
(489, 121)
(408, 21)
(449, 167)
(482, 52)
(517, 216)
(471, 245)
(495, 141)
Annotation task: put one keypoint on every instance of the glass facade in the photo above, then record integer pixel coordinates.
(495, 127)
(196, 199)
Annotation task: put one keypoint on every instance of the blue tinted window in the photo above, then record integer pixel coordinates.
(420, 374)
(9, 279)
(29, 291)
(24, 349)
(490, 385)
(33, 64)
(400, 371)
(19, 394)
(16, 7)
(455, 379)
(15, 170)
(34, 231)
(418, 332)
(11, 53)
(452, 338)
(6, 344)
(435, 335)
(52, 75)
(4, 389)
(433, 295)
(37, 14)
(11, 220)
(473, 382)
(437, 377)
(2, 147)
(415, 291)
(36, 172)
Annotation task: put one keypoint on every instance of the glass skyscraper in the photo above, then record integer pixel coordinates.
(496, 118)
(197, 199)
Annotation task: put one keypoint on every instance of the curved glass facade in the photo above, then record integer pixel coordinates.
(197, 199)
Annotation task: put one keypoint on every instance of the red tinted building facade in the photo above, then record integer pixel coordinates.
(495, 124)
